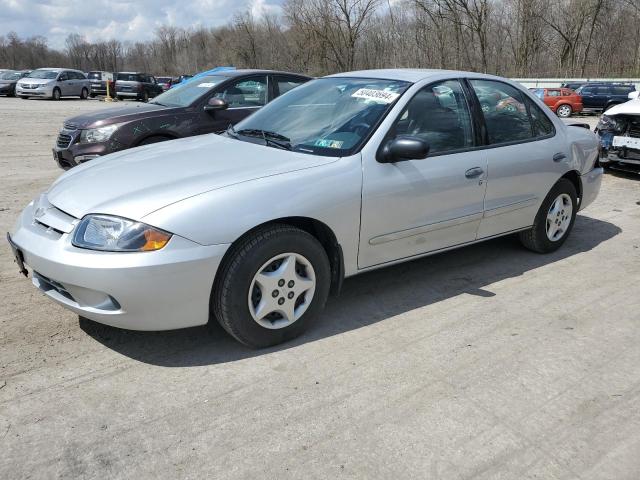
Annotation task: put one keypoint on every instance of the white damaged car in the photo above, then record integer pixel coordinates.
(619, 132)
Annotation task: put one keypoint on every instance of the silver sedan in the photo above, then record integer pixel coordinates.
(342, 175)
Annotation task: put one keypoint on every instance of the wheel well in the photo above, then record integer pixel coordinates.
(323, 233)
(574, 177)
(161, 135)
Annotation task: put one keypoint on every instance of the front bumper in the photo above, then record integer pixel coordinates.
(161, 290)
(591, 183)
(69, 152)
(45, 92)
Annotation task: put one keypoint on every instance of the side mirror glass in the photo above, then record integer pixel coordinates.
(403, 148)
(215, 104)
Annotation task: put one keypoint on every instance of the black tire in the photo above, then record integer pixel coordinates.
(230, 293)
(24, 98)
(154, 139)
(84, 94)
(536, 238)
(145, 97)
(56, 94)
(92, 95)
(119, 98)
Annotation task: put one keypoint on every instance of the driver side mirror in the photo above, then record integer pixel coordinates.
(215, 104)
(403, 148)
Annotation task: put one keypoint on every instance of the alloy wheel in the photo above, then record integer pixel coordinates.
(564, 111)
(559, 217)
(281, 290)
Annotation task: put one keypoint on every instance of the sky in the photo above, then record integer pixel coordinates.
(121, 19)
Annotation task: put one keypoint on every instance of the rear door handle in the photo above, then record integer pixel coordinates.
(559, 157)
(473, 172)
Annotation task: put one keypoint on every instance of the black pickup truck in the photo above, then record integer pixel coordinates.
(601, 96)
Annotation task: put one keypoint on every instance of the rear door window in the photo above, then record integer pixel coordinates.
(287, 83)
(505, 113)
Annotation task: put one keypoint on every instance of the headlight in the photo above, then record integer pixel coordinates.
(101, 134)
(115, 234)
(609, 123)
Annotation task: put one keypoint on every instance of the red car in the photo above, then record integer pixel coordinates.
(562, 101)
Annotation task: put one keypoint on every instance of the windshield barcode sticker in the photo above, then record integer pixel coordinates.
(206, 85)
(376, 95)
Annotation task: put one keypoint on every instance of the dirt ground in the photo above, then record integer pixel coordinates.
(489, 362)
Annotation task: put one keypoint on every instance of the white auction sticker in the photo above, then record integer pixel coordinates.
(377, 95)
(629, 142)
(206, 85)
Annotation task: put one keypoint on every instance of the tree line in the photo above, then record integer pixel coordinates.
(516, 38)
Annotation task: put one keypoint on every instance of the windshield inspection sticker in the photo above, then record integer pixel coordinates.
(206, 85)
(376, 95)
(324, 143)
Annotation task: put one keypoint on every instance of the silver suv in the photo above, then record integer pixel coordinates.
(54, 83)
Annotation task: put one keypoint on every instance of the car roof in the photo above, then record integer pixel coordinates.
(412, 74)
(248, 71)
(58, 69)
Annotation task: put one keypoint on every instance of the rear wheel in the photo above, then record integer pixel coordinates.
(564, 111)
(554, 220)
(56, 94)
(272, 286)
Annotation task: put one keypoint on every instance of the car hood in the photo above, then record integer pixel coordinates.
(139, 181)
(31, 81)
(114, 115)
(632, 107)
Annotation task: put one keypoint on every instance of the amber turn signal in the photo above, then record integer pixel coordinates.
(155, 240)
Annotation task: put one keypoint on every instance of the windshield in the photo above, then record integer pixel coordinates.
(163, 79)
(328, 116)
(185, 94)
(46, 74)
(10, 75)
(95, 75)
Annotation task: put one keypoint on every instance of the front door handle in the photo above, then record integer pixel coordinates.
(473, 172)
(559, 157)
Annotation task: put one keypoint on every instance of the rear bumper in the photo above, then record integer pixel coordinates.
(129, 94)
(591, 183)
(161, 290)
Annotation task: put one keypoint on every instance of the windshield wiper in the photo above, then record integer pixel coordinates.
(271, 139)
(231, 131)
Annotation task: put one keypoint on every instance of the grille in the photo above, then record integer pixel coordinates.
(634, 130)
(46, 284)
(63, 140)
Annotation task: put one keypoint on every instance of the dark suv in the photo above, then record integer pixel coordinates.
(98, 81)
(207, 104)
(601, 96)
(136, 85)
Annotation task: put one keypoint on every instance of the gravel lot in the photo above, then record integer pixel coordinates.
(486, 362)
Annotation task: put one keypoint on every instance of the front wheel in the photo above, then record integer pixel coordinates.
(84, 94)
(56, 94)
(272, 286)
(564, 111)
(554, 219)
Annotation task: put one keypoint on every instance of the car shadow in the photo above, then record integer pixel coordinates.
(365, 299)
